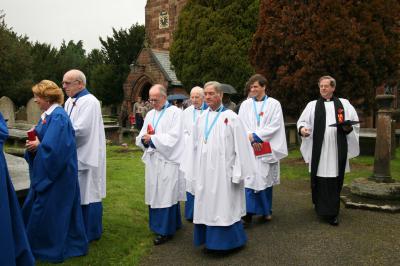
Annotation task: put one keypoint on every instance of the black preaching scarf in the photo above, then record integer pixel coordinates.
(318, 138)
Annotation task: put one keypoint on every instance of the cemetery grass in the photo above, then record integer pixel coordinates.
(293, 167)
(127, 238)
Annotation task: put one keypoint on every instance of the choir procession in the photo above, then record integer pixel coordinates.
(221, 164)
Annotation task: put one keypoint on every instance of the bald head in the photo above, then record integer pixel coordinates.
(73, 82)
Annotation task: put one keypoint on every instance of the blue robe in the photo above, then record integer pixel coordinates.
(52, 211)
(259, 203)
(14, 245)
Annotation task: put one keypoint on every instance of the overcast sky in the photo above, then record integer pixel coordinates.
(51, 21)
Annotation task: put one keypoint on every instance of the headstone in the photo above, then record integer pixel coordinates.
(33, 112)
(21, 114)
(7, 108)
(19, 172)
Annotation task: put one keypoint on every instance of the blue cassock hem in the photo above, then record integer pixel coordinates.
(259, 203)
(14, 246)
(220, 237)
(189, 206)
(165, 221)
(93, 219)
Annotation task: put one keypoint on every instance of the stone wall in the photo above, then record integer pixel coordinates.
(144, 71)
(161, 37)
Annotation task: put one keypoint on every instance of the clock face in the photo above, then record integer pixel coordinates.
(163, 20)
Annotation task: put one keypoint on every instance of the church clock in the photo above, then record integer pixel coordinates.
(163, 21)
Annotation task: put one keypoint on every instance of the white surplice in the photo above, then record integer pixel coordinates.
(88, 124)
(271, 129)
(190, 117)
(165, 184)
(328, 163)
(217, 169)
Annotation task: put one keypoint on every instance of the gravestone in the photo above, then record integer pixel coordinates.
(21, 114)
(19, 173)
(7, 108)
(33, 112)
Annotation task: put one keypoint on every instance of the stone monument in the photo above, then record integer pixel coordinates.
(380, 191)
(33, 112)
(7, 108)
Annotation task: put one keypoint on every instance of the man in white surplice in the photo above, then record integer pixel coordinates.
(263, 120)
(217, 164)
(329, 140)
(85, 113)
(162, 141)
(190, 117)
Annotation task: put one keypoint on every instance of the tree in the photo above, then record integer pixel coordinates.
(117, 52)
(296, 42)
(15, 65)
(44, 58)
(95, 57)
(212, 42)
(70, 56)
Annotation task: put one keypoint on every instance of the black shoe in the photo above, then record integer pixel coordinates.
(334, 221)
(266, 218)
(246, 220)
(160, 239)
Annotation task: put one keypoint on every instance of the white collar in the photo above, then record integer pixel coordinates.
(49, 110)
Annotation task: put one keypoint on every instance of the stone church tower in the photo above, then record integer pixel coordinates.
(153, 64)
(161, 22)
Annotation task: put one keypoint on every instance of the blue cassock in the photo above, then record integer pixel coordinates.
(14, 246)
(52, 211)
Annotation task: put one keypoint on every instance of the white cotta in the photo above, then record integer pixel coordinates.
(88, 124)
(217, 168)
(190, 116)
(271, 129)
(165, 185)
(328, 163)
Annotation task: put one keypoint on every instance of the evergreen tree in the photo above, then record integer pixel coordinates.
(212, 42)
(15, 65)
(44, 64)
(119, 51)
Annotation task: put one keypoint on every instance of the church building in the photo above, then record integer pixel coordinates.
(153, 64)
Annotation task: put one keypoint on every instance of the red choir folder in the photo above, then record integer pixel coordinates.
(31, 134)
(150, 130)
(265, 149)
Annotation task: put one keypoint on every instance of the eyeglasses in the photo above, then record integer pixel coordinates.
(153, 100)
(67, 83)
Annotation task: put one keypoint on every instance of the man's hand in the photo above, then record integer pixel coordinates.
(251, 137)
(347, 128)
(305, 132)
(257, 146)
(32, 145)
(146, 138)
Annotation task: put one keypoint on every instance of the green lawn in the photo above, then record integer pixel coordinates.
(293, 167)
(126, 236)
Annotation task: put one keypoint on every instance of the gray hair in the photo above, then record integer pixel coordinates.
(161, 89)
(217, 86)
(198, 90)
(331, 79)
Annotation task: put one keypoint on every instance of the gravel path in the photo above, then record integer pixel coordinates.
(296, 236)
